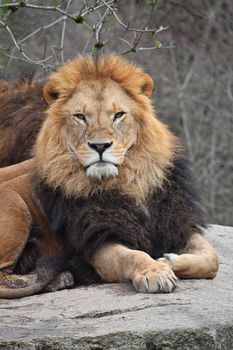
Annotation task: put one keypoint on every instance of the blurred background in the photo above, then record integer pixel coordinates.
(186, 46)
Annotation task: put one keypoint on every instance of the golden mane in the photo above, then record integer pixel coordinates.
(145, 166)
(129, 76)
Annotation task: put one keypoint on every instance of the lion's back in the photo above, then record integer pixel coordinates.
(21, 115)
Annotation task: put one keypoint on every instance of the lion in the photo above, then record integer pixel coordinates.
(109, 190)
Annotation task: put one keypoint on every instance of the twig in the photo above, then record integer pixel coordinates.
(184, 114)
(92, 9)
(48, 8)
(98, 28)
(129, 29)
(40, 29)
(63, 33)
(197, 58)
(20, 49)
(155, 48)
(138, 35)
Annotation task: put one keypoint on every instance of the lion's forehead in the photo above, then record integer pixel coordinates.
(99, 95)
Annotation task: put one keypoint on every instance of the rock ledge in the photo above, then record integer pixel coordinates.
(198, 315)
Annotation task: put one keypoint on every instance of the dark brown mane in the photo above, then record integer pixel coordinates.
(21, 114)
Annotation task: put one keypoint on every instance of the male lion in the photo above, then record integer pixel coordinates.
(109, 192)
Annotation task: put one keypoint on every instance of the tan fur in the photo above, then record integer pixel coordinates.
(10, 172)
(115, 262)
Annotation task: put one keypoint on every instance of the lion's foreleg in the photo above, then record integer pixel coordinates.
(198, 260)
(117, 263)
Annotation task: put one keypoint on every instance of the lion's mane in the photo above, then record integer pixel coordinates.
(143, 169)
(22, 108)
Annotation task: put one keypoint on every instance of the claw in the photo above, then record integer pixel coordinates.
(157, 277)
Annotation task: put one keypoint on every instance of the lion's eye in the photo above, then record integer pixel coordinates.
(118, 115)
(80, 117)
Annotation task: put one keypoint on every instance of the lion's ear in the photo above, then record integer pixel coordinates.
(147, 86)
(50, 92)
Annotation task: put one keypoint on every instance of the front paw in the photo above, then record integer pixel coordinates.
(156, 277)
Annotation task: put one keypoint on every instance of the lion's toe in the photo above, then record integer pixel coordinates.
(158, 278)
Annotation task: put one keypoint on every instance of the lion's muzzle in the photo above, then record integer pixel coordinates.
(102, 163)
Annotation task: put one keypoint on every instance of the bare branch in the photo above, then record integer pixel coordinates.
(129, 29)
(20, 49)
(40, 29)
(48, 8)
(63, 32)
(21, 4)
(110, 10)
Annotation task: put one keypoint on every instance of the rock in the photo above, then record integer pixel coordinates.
(197, 315)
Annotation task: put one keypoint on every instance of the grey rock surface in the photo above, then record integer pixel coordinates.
(197, 315)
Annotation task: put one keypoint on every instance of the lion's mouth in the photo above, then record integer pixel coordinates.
(100, 163)
(98, 169)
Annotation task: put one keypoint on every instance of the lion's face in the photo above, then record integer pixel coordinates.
(99, 127)
(101, 131)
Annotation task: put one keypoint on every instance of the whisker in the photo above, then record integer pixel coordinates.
(73, 153)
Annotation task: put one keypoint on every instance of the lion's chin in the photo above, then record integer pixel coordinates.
(102, 170)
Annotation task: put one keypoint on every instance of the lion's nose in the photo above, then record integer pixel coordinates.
(100, 147)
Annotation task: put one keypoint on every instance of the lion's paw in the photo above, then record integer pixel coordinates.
(157, 277)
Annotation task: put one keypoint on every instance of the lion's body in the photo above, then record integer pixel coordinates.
(23, 214)
(110, 183)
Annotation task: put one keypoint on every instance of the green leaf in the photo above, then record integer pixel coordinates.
(158, 44)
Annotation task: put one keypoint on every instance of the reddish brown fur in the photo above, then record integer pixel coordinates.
(10, 172)
(21, 114)
(19, 209)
